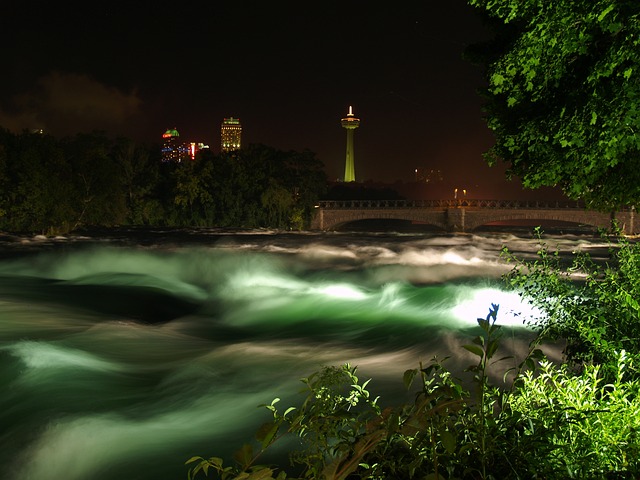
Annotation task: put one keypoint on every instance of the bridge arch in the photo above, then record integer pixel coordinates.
(477, 219)
(467, 215)
(389, 224)
(334, 219)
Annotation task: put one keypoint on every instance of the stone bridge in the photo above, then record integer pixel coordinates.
(466, 215)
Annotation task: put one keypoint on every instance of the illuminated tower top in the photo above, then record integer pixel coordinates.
(170, 133)
(230, 135)
(170, 152)
(350, 121)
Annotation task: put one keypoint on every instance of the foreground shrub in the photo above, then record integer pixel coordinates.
(549, 424)
(587, 428)
(591, 306)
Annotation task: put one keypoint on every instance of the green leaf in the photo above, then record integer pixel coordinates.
(244, 456)
(497, 79)
(448, 441)
(262, 473)
(266, 432)
(474, 349)
(491, 348)
(408, 377)
(605, 12)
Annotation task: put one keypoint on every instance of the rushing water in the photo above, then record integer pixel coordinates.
(124, 354)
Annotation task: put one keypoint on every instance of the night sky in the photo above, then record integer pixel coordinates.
(288, 70)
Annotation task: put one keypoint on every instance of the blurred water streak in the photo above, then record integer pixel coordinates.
(126, 352)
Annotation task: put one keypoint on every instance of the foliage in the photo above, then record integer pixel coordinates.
(255, 187)
(332, 424)
(192, 196)
(139, 180)
(550, 423)
(591, 428)
(563, 94)
(591, 306)
(50, 185)
(94, 178)
(36, 195)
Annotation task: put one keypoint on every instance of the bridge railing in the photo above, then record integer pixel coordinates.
(497, 204)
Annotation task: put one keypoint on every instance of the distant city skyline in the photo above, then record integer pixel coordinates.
(284, 68)
(281, 68)
(175, 149)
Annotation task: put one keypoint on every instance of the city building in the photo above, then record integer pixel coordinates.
(350, 123)
(195, 147)
(230, 135)
(170, 146)
(175, 151)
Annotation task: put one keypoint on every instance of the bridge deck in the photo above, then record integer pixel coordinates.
(460, 215)
(501, 204)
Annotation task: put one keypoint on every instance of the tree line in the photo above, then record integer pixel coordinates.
(54, 185)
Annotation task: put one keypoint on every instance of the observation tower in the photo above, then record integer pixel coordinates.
(350, 123)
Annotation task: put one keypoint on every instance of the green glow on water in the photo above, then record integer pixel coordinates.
(342, 291)
(513, 312)
(42, 355)
(96, 393)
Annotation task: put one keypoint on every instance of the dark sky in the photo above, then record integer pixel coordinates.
(289, 71)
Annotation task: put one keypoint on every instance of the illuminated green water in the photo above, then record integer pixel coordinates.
(122, 361)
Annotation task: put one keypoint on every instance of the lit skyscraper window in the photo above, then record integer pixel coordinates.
(230, 135)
